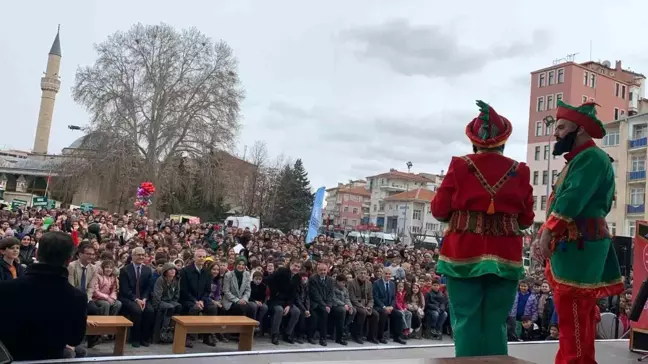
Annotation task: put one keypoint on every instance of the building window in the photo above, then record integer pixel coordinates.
(637, 196)
(584, 99)
(545, 178)
(612, 228)
(638, 163)
(540, 106)
(416, 214)
(543, 202)
(355, 210)
(550, 77)
(630, 95)
(535, 178)
(538, 130)
(592, 82)
(561, 75)
(615, 165)
(585, 78)
(631, 228)
(346, 208)
(549, 129)
(559, 97)
(541, 80)
(550, 102)
(546, 152)
(535, 202)
(616, 113)
(554, 175)
(623, 91)
(611, 139)
(537, 153)
(621, 114)
(617, 89)
(639, 131)
(344, 222)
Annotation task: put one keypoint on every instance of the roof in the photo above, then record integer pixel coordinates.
(361, 191)
(403, 175)
(56, 46)
(419, 194)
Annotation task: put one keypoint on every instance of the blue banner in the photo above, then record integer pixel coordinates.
(316, 215)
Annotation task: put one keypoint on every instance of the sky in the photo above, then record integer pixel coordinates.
(353, 88)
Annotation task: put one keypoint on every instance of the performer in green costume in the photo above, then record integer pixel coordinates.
(583, 266)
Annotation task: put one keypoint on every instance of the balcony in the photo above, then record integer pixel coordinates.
(635, 209)
(394, 188)
(636, 176)
(638, 143)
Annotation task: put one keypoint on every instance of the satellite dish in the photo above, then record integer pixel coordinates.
(607, 64)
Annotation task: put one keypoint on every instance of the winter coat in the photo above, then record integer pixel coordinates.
(165, 291)
(105, 288)
(341, 296)
(530, 309)
(436, 301)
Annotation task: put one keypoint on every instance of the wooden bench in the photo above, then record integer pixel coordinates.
(213, 325)
(499, 359)
(110, 325)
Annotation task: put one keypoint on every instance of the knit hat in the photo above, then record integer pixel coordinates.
(488, 130)
(240, 259)
(583, 116)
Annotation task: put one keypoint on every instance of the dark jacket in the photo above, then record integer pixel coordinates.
(320, 293)
(436, 301)
(357, 291)
(128, 279)
(283, 288)
(302, 299)
(383, 297)
(5, 274)
(33, 329)
(27, 254)
(164, 291)
(194, 285)
(258, 292)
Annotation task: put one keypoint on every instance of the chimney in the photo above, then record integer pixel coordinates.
(392, 170)
(618, 66)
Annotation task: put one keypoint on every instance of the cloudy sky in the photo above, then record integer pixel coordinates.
(353, 87)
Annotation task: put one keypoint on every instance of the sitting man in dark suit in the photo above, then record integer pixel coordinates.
(384, 295)
(195, 288)
(283, 286)
(34, 329)
(320, 290)
(134, 288)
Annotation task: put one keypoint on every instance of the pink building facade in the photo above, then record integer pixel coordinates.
(346, 207)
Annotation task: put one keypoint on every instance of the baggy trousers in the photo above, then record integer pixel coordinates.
(478, 311)
(576, 318)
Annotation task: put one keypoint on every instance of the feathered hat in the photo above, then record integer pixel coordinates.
(583, 116)
(488, 130)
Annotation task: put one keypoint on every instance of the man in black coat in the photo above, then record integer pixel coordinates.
(320, 290)
(34, 329)
(195, 287)
(283, 286)
(134, 288)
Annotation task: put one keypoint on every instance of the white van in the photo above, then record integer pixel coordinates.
(242, 222)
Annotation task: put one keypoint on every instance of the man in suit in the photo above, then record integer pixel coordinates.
(30, 332)
(361, 295)
(134, 288)
(283, 286)
(195, 287)
(82, 274)
(384, 295)
(320, 289)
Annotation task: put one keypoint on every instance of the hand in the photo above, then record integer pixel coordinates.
(307, 313)
(219, 304)
(286, 310)
(92, 323)
(258, 303)
(389, 309)
(111, 301)
(200, 304)
(242, 302)
(140, 303)
(346, 308)
(328, 309)
(545, 243)
(368, 310)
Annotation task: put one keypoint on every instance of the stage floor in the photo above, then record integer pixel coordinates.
(607, 352)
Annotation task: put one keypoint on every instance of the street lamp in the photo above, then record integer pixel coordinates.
(74, 127)
(409, 166)
(548, 121)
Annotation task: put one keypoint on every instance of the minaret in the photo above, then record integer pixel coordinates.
(50, 85)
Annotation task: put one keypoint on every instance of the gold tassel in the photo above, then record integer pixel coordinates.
(491, 207)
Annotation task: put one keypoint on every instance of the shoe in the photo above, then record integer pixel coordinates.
(298, 340)
(209, 340)
(288, 339)
(135, 345)
(188, 343)
(382, 341)
(145, 344)
(323, 342)
(373, 341)
(93, 341)
(400, 341)
(357, 340)
(275, 339)
(342, 342)
(311, 341)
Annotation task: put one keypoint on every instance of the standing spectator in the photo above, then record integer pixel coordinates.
(343, 310)
(31, 332)
(237, 289)
(166, 297)
(384, 293)
(320, 289)
(27, 251)
(10, 267)
(283, 286)
(525, 304)
(361, 295)
(436, 310)
(105, 290)
(545, 308)
(195, 288)
(134, 288)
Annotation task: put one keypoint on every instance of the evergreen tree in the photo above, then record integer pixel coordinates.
(302, 195)
(284, 205)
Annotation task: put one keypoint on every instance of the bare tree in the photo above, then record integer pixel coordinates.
(170, 95)
(251, 193)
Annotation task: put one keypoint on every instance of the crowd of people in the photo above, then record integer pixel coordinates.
(149, 270)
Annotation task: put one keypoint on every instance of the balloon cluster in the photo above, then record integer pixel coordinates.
(145, 193)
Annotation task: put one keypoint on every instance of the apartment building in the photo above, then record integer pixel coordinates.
(409, 212)
(619, 93)
(388, 184)
(347, 206)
